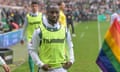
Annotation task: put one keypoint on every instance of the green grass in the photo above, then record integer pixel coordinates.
(24, 67)
(86, 47)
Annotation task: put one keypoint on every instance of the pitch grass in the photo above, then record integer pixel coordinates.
(86, 47)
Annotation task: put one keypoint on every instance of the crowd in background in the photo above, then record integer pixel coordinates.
(80, 10)
(11, 19)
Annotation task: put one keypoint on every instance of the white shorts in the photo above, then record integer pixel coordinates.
(54, 70)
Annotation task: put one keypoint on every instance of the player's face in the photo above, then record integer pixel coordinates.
(53, 15)
(34, 7)
(63, 6)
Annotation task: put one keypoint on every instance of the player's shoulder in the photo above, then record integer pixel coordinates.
(37, 31)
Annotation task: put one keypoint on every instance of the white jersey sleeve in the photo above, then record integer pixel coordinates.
(70, 45)
(33, 48)
(2, 61)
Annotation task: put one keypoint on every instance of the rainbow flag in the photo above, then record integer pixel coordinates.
(109, 57)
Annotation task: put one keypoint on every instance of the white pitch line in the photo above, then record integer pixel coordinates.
(99, 35)
(82, 34)
(86, 27)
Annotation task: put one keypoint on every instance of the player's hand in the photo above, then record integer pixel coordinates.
(22, 42)
(46, 67)
(6, 68)
(67, 65)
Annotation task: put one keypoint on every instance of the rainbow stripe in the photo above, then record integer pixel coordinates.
(109, 57)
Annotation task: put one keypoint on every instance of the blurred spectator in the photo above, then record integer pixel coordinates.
(1, 28)
(18, 18)
(76, 15)
(69, 17)
(4, 27)
(13, 25)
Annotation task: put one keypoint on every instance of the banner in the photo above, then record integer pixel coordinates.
(10, 38)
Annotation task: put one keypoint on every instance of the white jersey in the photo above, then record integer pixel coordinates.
(115, 16)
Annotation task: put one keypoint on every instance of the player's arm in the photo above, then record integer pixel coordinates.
(4, 65)
(71, 52)
(33, 48)
(24, 30)
(70, 46)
